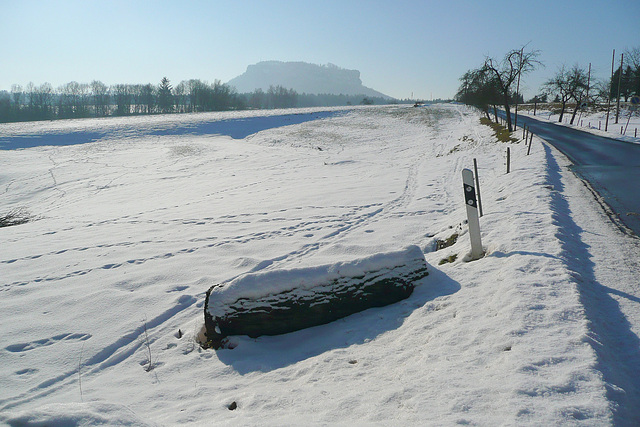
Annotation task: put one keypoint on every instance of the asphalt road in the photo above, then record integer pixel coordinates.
(611, 167)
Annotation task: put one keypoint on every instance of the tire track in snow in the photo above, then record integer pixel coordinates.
(286, 231)
(351, 223)
(387, 210)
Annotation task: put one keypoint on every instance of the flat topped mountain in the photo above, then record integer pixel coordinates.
(303, 78)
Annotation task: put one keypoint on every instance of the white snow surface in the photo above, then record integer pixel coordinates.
(103, 294)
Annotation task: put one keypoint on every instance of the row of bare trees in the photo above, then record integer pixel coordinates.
(493, 84)
(574, 85)
(569, 85)
(496, 82)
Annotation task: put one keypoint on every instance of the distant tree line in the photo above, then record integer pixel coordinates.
(80, 100)
(331, 100)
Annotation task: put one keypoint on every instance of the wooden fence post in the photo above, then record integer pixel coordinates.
(475, 169)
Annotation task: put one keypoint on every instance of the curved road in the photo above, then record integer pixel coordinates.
(611, 167)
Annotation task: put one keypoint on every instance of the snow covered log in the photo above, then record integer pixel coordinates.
(283, 301)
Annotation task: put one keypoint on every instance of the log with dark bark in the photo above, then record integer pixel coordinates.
(284, 301)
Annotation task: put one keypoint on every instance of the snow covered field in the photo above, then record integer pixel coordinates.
(103, 294)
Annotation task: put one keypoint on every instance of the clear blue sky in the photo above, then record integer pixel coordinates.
(400, 47)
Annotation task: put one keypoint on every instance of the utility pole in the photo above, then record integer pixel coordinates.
(588, 81)
(619, 84)
(606, 123)
(515, 122)
(586, 102)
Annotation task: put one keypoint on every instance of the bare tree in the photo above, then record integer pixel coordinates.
(73, 100)
(633, 57)
(558, 85)
(480, 89)
(599, 91)
(222, 96)
(122, 95)
(568, 85)
(41, 99)
(100, 93)
(257, 99)
(30, 92)
(579, 85)
(5, 106)
(66, 100)
(180, 97)
(196, 90)
(506, 72)
(148, 98)
(16, 92)
(281, 97)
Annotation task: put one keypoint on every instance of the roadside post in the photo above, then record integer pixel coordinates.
(619, 86)
(472, 214)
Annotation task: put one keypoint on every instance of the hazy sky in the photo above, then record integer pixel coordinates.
(400, 47)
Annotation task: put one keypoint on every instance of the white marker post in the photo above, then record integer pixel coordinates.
(472, 214)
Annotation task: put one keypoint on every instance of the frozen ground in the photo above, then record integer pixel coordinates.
(103, 294)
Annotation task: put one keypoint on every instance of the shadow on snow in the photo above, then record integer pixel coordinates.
(616, 346)
(268, 353)
(235, 128)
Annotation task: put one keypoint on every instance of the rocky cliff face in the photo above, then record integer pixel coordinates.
(303, 78)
